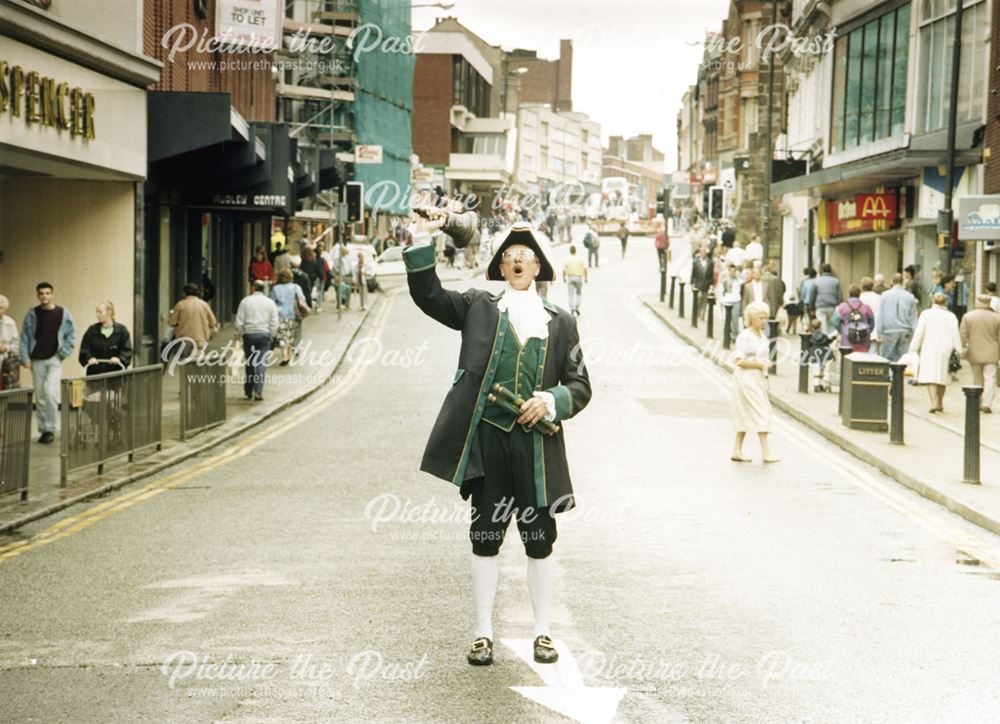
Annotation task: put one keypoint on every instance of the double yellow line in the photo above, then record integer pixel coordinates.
(75, 523)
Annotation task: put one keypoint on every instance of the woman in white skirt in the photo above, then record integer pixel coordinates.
(751, 405)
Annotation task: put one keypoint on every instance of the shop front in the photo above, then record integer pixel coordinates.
(862, 233)
(216, 182)
(72, 162)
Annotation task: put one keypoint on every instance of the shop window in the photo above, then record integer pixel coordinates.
(869, 83)
(937, 32)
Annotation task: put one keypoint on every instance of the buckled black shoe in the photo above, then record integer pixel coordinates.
(481, 653)
(545, 650)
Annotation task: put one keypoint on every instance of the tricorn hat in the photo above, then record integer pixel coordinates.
(520, 233)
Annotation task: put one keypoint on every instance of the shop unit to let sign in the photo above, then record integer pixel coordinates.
(254, 24)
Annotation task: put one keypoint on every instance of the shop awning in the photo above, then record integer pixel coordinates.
(884, 169)
(180, 122)
(202, 148)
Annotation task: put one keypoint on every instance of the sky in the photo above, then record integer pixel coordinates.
(632, 59)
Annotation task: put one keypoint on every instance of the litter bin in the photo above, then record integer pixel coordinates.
(866, 394)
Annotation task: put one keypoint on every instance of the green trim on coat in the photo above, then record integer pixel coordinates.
(477, 414)
(541, 484)
(419, 258)
(564, 401)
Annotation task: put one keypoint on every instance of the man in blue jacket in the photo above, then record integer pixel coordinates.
(896, 320)
(47, 337)
(826, 294)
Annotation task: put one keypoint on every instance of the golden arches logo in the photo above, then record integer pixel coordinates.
(876, 207)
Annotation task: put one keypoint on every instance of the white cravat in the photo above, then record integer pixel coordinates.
(526, 312)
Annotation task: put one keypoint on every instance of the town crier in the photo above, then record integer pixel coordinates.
(508, 457)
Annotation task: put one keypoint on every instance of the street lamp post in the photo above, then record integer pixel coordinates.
(946, 215)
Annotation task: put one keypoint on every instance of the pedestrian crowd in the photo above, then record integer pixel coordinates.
(929, 331)
(874, 316)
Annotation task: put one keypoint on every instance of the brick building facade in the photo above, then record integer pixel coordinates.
(545, 81)
(251, 84)
(432, 100)
(991, 175)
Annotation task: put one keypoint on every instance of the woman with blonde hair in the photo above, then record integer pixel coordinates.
(936, 337)
(106, 346)
(751, 405)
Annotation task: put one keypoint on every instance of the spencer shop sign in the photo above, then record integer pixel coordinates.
(45, 101)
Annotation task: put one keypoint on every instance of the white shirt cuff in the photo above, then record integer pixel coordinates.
(550, 404)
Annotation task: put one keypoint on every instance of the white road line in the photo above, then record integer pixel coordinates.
(564, 691)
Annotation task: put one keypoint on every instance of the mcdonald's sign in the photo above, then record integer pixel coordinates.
(862, 213)
(877, 207)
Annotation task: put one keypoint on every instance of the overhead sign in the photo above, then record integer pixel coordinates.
(881, 207)
(253, 23)
(862, 212)
(979, 218)
(59, 117)
(46, 102)
(367, 154)
(252, 200)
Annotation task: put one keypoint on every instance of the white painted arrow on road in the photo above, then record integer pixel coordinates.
(564, 691)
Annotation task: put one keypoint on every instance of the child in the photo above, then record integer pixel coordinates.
(819, 355)
(793, 308)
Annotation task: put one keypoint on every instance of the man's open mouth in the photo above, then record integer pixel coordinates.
(518, 269)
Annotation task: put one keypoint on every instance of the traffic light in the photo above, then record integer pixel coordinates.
(354, 194)
(718, 196)
(661, 198)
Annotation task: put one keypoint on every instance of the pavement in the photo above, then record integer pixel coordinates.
(308, 571)
(931, 461)
(327, 337)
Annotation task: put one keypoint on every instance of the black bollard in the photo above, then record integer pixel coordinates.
(973, 396)
(680, 305)
(896, 403)
(673, 282)
(804, 365)
(727, 333)
(711, 314)
(844, 351)
(772, 345)
(694, 307)
(663, 278)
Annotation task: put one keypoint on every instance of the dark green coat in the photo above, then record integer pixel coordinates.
(476, 315)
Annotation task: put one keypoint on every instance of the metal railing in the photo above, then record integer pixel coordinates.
(108, 415)
(15, 441)
(203, 396)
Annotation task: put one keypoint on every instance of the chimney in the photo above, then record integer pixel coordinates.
(564, 76)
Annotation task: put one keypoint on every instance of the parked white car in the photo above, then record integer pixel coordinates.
(390, 269)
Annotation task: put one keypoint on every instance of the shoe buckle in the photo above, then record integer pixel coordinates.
(546, 642)
(479, 645)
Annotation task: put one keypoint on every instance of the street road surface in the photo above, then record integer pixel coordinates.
(310, 572)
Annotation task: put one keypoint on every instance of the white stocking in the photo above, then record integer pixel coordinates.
(485, 573)
(540, 574)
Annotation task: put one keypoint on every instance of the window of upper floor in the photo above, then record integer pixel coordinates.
(936, 42)
(869, 81)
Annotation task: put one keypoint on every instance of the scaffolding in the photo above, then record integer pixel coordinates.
(317, 78)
